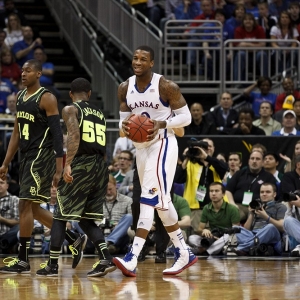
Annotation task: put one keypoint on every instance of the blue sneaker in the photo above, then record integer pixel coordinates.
(127, 265)
(183, 259)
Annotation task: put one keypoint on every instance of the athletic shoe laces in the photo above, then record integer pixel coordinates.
(96, 264)
(128, 257)
(10, 261)
(44, 264)
(73, 250)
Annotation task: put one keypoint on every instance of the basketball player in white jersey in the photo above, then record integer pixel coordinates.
(150, 94)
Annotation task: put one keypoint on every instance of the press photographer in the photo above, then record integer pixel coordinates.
(290, 187)
(264, 225)
(198, 170)
(291, 225)
(220, 215)
(117, 212)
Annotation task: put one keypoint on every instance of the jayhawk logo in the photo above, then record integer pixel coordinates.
(152, 191)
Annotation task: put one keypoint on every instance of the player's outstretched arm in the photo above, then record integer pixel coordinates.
(69, 114)
(11, 150)
(125, 111)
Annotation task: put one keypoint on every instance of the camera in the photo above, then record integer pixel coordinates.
(262, 250)
(291, 196)
(256, 204)
(193, 152)
(218, 232)
(106, 226)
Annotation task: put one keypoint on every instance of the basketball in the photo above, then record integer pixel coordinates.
(138, 128)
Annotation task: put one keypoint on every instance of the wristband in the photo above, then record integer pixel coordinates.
(268, 219)
(123, 116)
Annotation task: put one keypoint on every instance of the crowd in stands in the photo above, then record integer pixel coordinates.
(247, 20)
(18, 43)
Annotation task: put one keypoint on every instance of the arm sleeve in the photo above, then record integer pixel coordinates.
(204, 215)
(287, 184)
(182, 118)
(289, 212)
(129, 210)
(16, 48)
(279, 102)
(220, 166)
(231, 185)
(281, 212)
(54, 125)
(180, 175)
(235, 215)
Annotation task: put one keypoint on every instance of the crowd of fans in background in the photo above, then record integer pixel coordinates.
(245, 20)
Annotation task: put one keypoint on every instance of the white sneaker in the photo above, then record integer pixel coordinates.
(127, 265)
(183, 259)
(296, 252)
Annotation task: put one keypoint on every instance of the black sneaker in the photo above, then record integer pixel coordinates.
(48, 270)
(101, 268)
(15, 266)
(77, 249)
(161, 258)
(143, 253)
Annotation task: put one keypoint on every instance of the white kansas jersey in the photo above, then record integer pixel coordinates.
(150, 104)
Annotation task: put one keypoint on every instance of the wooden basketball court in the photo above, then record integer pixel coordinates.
(210, 278)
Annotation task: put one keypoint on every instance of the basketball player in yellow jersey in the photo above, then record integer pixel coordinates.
(148, 93)
(38, 134)
(82, 192)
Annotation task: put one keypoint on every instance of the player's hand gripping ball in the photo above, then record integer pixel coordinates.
(138, 128)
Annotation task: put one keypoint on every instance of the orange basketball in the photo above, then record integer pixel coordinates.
(138, 128)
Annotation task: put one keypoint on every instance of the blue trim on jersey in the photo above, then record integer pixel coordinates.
(163, 165)
(165, 104)
(151, 201)
(144, 90)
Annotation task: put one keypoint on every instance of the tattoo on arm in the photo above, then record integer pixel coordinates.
(73, 140)
(170, 92)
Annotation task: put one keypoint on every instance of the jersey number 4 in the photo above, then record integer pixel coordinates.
(24, 132)
(94, 132)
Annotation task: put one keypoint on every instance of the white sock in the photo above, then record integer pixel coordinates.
(177, 239)
(137, 245)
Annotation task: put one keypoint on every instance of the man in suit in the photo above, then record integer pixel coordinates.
(200, 124)
(224, 117)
